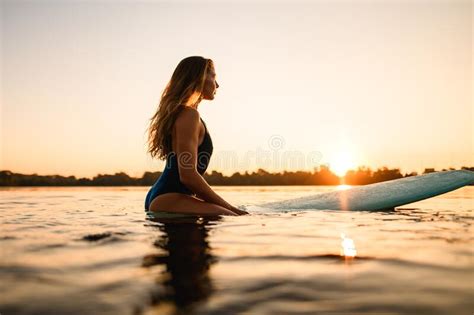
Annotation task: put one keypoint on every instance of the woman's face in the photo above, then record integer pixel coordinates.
(210, 85)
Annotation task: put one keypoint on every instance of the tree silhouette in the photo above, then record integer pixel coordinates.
(319, 176)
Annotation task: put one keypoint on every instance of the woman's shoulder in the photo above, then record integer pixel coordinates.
(188, 116)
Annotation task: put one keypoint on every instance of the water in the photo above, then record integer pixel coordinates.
(92, 250)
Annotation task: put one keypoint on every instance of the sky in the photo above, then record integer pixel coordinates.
(302, 83)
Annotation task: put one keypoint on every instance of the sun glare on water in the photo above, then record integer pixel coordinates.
(347, 247)
(343, 187)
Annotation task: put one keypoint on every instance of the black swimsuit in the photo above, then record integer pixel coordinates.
(169, 179)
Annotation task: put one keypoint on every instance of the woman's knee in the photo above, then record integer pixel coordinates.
(203, 207)
(216, 209)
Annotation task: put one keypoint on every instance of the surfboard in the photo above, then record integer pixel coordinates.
(381, 196)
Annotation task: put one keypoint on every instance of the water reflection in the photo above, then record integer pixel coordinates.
(187, 257)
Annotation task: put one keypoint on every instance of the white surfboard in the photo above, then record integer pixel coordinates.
(380, 196)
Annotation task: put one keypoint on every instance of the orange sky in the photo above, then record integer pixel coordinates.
(302, 83)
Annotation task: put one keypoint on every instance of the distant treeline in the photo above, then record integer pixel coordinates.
(320, 176)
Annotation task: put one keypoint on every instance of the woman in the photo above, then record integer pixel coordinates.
(178, 134)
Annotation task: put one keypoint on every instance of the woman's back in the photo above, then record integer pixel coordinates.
(169, 181)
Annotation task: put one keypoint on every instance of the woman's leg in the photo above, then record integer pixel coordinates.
(181, 203)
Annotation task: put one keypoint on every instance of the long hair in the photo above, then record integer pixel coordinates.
(188, 77)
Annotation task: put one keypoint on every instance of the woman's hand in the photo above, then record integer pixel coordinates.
(237, 210)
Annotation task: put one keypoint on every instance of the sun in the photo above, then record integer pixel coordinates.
(342, 162)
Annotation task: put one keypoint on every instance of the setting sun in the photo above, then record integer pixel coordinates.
(342, 162)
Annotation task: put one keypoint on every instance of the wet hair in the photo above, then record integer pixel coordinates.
(188, 78)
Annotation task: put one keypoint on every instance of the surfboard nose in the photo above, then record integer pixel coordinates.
(467, 174)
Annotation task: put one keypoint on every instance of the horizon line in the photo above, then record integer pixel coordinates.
(361, 167)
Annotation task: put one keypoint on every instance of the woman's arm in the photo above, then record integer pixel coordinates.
(187, 142)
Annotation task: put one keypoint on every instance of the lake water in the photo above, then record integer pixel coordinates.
(92, 250)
